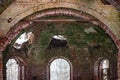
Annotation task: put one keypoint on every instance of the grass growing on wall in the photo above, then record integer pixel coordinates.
(83, 51)
(75, 34)
(78, 40)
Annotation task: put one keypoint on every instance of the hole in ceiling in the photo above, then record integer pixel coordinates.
(58, 41)
(25, 38)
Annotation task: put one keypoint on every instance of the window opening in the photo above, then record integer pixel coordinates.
(104, 69)
(60, 70)
(12, 70)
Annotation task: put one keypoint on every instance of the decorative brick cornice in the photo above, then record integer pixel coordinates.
(13, 32)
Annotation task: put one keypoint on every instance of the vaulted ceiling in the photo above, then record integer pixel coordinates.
(13, 16)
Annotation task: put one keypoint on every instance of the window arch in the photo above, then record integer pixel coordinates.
(15, 69)
(60, 69)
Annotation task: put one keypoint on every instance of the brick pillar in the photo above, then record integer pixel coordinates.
(1, 65)
(119, 65)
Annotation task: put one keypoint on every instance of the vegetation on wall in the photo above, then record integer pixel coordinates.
(76, 35)
(86, 44)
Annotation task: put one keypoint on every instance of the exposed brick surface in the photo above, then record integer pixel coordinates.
(22, 8)
(23, 24)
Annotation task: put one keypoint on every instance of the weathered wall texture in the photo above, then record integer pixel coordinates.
(20, 9)
(83, 49)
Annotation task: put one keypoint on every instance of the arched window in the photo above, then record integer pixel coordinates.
(14, 70)
(104, 69)
(60, 70)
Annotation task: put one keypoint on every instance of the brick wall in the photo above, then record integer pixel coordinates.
(22, 8)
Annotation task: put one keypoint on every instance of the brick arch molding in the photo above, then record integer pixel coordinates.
(14, 31)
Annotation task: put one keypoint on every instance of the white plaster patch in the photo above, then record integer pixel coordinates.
(60, 37)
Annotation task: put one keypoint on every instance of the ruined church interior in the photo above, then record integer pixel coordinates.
(59, 39)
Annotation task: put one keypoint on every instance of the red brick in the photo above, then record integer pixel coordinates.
(1, 65)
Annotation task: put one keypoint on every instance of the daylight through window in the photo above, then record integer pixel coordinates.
(12, 70)
(60, 70)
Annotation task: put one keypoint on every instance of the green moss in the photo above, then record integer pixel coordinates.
(78, 39)
(82, 51)
(75, 34)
